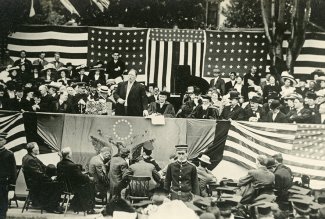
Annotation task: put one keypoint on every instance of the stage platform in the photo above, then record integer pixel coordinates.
(15, 212)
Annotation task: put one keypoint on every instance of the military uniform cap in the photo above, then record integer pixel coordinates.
(181, 147)
(148, 145)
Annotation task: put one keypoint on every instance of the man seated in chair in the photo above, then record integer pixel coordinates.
(143, 168)
(80, 183)
(254, 180)
(44, 190)
(98, 170)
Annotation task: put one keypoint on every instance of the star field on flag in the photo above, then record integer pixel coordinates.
(234, 52)
(130, 43)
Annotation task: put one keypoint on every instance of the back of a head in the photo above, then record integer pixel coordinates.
(262, 160)
(147, 152)
(117, 204)
(66, 152)
(30, 146)
(215, 211)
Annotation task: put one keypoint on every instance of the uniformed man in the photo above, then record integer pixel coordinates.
(7, 175)
(146, 155)
(181, 177)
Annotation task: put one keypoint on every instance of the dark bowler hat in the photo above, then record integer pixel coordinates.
(273, 95)
(275, 104)
(68, 64)
(181, 147)
(256, 99)
(311, 95)
(233, 95)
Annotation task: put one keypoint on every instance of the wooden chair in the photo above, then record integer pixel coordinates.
(18, 168)
(138, 188)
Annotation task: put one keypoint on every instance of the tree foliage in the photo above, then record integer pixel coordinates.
(243, 14)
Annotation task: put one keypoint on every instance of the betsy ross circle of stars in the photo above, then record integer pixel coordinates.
(122, 123)
(131, 44)
(235, 52)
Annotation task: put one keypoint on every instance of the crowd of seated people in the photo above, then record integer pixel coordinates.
(44, 86)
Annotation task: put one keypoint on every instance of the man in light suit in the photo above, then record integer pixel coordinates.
(98, 170)
(218, 82)
(130, 97)
(56, 61)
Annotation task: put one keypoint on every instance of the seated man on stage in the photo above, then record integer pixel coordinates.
(162, 106)
(99, 170)
(255, 179)
(44, 190)
(81, 184)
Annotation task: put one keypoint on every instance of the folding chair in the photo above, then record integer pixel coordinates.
(18, 168)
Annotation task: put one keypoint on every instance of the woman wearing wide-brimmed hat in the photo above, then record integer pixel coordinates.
(48, 73)
(63, 71)
(289, 84)
(82, 77)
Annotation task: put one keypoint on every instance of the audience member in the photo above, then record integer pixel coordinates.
(231, 83)
(115, 67)
(162, 106)
(81, 184)
(44, 190)
(205, 176)
(98, 169)
(217, 82)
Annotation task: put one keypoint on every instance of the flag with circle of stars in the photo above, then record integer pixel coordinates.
(235, 52)
(131, 44)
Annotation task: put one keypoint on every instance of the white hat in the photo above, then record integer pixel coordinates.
(285, 75)
(83, 66)
(48, 66)
(103, 89)
(62, 69)
(205, 158)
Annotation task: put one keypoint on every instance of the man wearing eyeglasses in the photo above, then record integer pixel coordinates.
(181, 177)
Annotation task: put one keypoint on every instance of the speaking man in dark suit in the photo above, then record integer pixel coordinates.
(233, 111)
(131, 97)
(218, 82)
(275, 115)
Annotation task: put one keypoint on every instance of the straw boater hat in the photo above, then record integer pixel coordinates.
(56, 85)
(97, 67)
(63, 69)
(205, 159)
(81, 67)
(285, 75)
(48, 66)
(103, 89)
(13, 68)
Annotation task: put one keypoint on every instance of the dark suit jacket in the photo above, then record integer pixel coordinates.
(236, 114)
(248, 112)
(57, 64)
(67, 169)
(34, 169)
(100, 80)
(84, 79)
(27, 63)
(304, 116)
(280, 117)
(111, 65)
(46, 102)
(219, 84)
(256, 78)
(137, 99)
(65, 107)
(228, 86)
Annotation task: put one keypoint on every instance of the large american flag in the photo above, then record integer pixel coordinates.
(234, 52)
(71, 42)
(130, 43)
(171, 47)
(13, 124)
(302, 146)
(312, 55)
